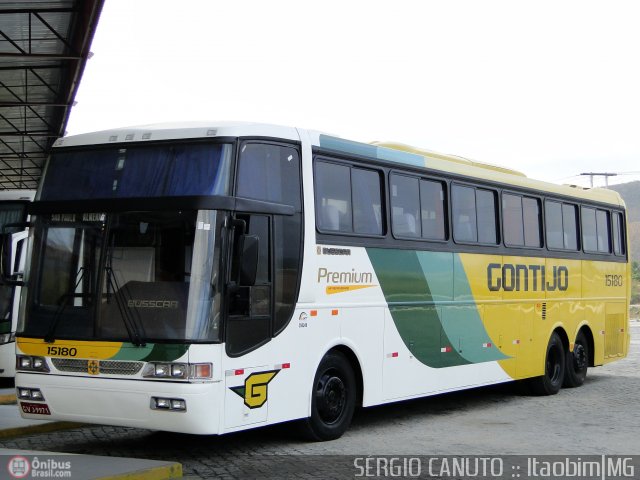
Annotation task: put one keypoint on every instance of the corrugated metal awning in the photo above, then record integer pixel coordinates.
(44, 46)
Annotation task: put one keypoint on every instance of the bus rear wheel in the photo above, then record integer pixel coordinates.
(577, 362)
(333, 399)
(554, 371)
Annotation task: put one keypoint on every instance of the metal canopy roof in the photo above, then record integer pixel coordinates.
(44, 46)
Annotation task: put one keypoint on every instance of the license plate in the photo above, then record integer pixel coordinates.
(35, 408)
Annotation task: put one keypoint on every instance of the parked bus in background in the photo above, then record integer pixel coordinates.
(214, 278)
(13, 208)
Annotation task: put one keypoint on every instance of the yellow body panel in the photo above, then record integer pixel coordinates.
(522, 300)
(68, 348)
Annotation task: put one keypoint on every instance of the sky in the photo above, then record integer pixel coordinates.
(549, 88)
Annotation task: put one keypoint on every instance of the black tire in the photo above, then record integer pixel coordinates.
(333, 399)
(554, 371)
(577, 362)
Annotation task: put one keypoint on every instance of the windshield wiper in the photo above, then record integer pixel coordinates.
(133, 328)
(50, 336)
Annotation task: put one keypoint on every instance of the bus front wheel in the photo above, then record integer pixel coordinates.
(333, 399)
(554, 371)
(577, 362)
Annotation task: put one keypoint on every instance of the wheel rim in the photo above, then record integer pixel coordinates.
(554, 367)
(579, 357)
(331, 397)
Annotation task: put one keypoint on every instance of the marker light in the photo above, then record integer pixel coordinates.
(31, 364)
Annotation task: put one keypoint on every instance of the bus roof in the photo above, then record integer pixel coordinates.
(385, 151)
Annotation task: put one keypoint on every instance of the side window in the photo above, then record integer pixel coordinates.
(348, 199)
(532, 222)
(602, 224)
(432, 209)
(521, 221)
(333, 197)
(561, 225)
(463, 207)
(269, 172)
(512, 220)
(486, 206)
(405, 206)
(553, 221)
(570, 226)
(367, 201)
(618, 236)
(589, 230)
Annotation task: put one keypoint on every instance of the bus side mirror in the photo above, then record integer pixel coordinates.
(249, 247)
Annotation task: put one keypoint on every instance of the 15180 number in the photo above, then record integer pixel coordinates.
(62, 351)
(613, 280)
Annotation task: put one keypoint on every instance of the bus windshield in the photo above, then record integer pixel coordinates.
(134, 276)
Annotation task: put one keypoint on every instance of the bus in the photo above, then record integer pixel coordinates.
(211, 278)
(13, 208)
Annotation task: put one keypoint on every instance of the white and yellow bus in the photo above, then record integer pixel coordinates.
(214, 278)
(13, 211)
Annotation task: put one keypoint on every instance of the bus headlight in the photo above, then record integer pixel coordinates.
(178, 371)
(31, 364)
(29, 394)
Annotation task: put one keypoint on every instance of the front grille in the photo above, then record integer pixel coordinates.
(110, 367)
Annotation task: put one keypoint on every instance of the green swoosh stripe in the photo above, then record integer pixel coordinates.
(419, 289)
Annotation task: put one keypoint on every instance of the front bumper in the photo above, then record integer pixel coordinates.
(126, 403)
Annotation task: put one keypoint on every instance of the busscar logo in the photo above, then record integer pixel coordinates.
(152, 303)
(254, 391)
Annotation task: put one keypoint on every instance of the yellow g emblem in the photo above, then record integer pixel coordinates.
(93, 367)
(254, 391)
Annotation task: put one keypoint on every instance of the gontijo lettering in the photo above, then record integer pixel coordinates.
(518, 277)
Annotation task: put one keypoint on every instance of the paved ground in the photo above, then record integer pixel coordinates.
(598, 418)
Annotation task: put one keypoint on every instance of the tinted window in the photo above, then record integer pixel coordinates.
(432, 209)
(562, 225)
(553, 221)
(532, 222)
(286, 261)
(486, 206)
(513, 224)
(405, 205)
(618, 238)
(269, 172)
(138, 171)
(333, 197)
(570, 226)
(589, 230)
(602, 222)
(463, 207)
(367, 205)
